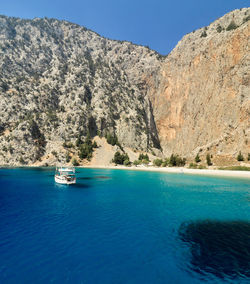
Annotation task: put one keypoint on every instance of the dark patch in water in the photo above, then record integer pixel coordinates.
(91, 178)
(80, 185)
(84, 178)
(102, 177)
(4, 175)
(220, 248)
(71, 186)
(37, 169)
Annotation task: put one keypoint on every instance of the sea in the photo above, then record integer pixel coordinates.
(123, 226)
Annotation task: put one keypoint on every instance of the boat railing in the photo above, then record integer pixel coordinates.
(65, 169)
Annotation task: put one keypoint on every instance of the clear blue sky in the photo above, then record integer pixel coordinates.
(160, 24)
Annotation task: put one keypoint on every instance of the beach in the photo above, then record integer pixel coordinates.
(205, 172)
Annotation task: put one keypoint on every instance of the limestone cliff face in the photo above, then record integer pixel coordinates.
(203, 100)
(59, 81)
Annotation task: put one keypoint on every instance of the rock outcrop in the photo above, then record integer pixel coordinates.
(60, 81)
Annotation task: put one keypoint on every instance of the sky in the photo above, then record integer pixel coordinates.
(159, 24)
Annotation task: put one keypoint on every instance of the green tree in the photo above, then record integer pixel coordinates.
(54, 153)
(143, 157)
(88, 139)
(180, 162)
(112, 139)
(158, 162)
(203, 34)
(75, 162)
(86, 148)
(126, 163)
(145, 162)
(208, 158)
(94, 145)
(219, 28)
(240, 157)
(67, 157)
(21, 160)
(175, 161)
(99, 133)
(246, 19)
(86, 151)
(5, 86)
(231, 26)
(136, 163)
(165, 163)
(35, 131)
(120, 158)
(67, 144)
(197, 158)
(78, 141)
(172, 160)
(192, 166)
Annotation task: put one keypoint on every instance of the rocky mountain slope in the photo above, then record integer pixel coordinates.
(59, 81)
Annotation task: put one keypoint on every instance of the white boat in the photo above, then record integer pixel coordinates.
(65, 175)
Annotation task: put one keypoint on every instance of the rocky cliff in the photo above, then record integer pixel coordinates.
(202, 103)
(59, 81)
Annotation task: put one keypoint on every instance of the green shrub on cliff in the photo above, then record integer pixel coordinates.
(21, 160)
(204, 34)
(67, 157)
(121, 159)
(246, 19)
(193, 166)
(127, 162)
(197, 158)
(86, 147)
(136, 163)
(240, 157)
(158, 162)
(143, 157)
(231, 26)
(208, 158)
(176, 161)
(111, 139)
(75, 162)
(219, 28)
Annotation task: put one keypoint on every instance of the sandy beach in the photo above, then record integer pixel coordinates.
(207, 172)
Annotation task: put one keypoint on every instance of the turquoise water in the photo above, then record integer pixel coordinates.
(118, 226)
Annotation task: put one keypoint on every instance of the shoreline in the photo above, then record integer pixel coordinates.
(177, 170)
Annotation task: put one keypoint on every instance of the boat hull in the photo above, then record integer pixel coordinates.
(64, 181)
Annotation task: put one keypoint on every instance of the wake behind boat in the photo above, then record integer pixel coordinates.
(65, 175)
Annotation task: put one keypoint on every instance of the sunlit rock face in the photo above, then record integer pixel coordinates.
(202, 101)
